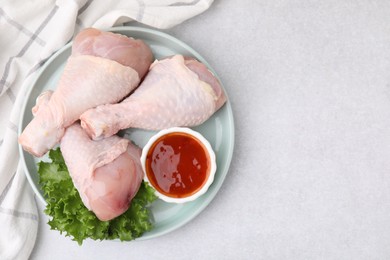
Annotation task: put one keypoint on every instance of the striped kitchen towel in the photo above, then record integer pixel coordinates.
(30, 32)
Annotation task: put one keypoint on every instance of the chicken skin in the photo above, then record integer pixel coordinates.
(106, 173)
(177, 91)
(104, 68)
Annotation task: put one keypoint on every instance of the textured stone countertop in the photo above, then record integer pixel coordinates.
(309, 84)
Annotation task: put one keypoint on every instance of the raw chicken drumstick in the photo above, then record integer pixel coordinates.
(106, 173)
(104, 68)
(177, 91)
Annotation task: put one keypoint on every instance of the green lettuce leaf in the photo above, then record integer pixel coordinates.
(69, 215)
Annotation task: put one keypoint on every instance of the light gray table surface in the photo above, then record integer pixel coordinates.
(309, 83)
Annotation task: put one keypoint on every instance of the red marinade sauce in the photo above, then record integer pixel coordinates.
(177, 165)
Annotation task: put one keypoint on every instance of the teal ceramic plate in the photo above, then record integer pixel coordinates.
(219, 130)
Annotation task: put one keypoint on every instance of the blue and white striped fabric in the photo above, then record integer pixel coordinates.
(30, 32)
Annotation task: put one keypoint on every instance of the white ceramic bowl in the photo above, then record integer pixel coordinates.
(208, 149)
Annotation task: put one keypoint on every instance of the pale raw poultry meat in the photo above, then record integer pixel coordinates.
(104, 68)
(106, 173)
(177, 91)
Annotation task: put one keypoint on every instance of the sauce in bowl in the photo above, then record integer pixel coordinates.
(179, 164)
